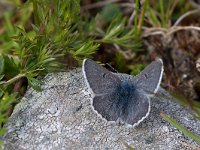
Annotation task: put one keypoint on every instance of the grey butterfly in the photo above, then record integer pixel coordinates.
(120, 97)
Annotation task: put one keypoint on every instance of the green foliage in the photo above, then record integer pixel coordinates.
(86, 50)
(110, 11)
(120, 63)
(5, 103)
(116, 33)
(138, 22)
(1, 65)
(111, 26)
(162, 13)
(11, 69)
(37, 51)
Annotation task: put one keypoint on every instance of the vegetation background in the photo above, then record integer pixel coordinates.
(42, 36)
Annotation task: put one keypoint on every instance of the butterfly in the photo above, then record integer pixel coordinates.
(122, 98)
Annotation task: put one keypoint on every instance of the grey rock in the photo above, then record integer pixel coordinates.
(60, 118)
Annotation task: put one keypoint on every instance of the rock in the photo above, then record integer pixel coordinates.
(60, 117)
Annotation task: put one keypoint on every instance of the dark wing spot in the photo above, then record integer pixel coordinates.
(104, 75)
(146, 75)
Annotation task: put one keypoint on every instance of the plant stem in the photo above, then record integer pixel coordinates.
(162, 13)
(13, 79)
(35, 12)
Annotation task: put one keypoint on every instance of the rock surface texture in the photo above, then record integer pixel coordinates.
(61, 118)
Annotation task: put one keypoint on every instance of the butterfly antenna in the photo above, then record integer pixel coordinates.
(112, 69)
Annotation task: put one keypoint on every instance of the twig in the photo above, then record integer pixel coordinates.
(154, 29)
(130, 21)
(185, 15)
(13, 79)
(165, 32)
(154, 33)
(178, 28)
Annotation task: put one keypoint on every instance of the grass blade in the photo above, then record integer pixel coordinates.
(181, 128)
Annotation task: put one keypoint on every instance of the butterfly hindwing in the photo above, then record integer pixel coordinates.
(114, 107)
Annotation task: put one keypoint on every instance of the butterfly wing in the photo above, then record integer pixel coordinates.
(114, 107)
(149, 79)
(99, 79)
(106, 106)
(113, 103)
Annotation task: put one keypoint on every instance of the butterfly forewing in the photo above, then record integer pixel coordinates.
(149, 79)
(100, 80)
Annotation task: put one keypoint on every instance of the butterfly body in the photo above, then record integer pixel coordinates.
(121, 97)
